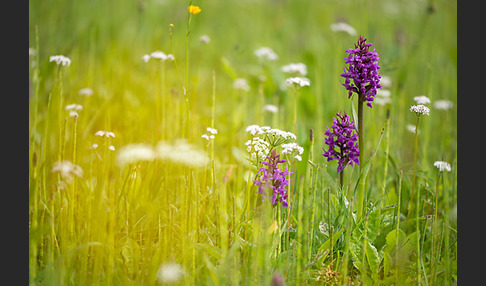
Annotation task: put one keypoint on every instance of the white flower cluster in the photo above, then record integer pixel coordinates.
(258, 148)
(420, 109)
(67, 170)
(204, 39)
(421, 99)
(60, 60)
(73, 109)
(181, 152)
(273, 136)
(86, 91)
(241, 84)
(210, 133)
(382, 96)
(441, 165)
(344, 27)
(270, 108)
(295, 68)
(106, 134)
(159, 56)
(266, 53)
(170, 273)
(133, 153)
(299, 81)
(443, 104)
(293, 149)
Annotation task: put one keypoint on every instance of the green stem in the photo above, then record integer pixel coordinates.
(361, 155)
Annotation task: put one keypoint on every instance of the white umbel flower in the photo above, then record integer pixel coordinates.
(106, 134)
(420, 109)
(270, 108)
(300, 81)
(254, 130)
(442, 165)
(146, 58)
(343, 27)
(204, 39)
(60, 60)
(422, 99)
(293, 149)
(159, 55)
(181, 152)
(266, 53)
(75, 107)
(67, 170)
(170, 273)
(443, 104)
(85, 91)
(295, 68)
(258, 148)
(241, 84)
(134, 153)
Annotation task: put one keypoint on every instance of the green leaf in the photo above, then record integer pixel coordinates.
(327, 244)
(372, 257)
(131, 256)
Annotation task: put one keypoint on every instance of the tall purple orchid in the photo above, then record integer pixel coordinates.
(271, 177)
(363, 71)
(342, 142)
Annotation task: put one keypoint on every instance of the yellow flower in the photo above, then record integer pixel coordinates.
(194, 9)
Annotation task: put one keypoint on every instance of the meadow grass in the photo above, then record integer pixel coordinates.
(182, 209)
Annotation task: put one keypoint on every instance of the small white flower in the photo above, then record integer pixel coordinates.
(383, 92)
(382, 100)
(170, 273)
(420, 109)
(170, 57)
(85, 91)
(443, 104)
(291, 148)
(205, 136)
(73, 113)
(266, 53)
(344, 27)
(258, 148)
(300, 81)
(94, 146)
(146, 58)
(67, 170)
(212, 130)
(107, 134)
(60, 60)
(254, 130)
(111, 147)
(204, 39)
(422, 99)
(74, 106)
(298, 157)
(159, 55)
(270, 108)
(295, 68)
(241, 84)
(411, 128)
(441, 165)
(385, 81)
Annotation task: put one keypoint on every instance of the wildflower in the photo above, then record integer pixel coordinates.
(270, 108)
(271, 177)
(411, 128)
(258, 148)
(343, 137)
(170, 273)
(194, 9)
(266, 53)
(85, 91)
(159, 55)
(293, 149)
(443, 104)
(295, 68)
(420, 109)
(383, 92)
(254, 130)
(107, 134)
(170, 57)
(344, 27)
(241, 84)
(210, 134)
(181, 152)
(277, 137)
(363, 70)
(74, 106)
(111, 147)
(422, 99)
(204, 39)
(442, 165)
(94, 146)
(298, 81)
(382, 100)
(146, 58)
(68, 170)
(133, 153)
(60, 60)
